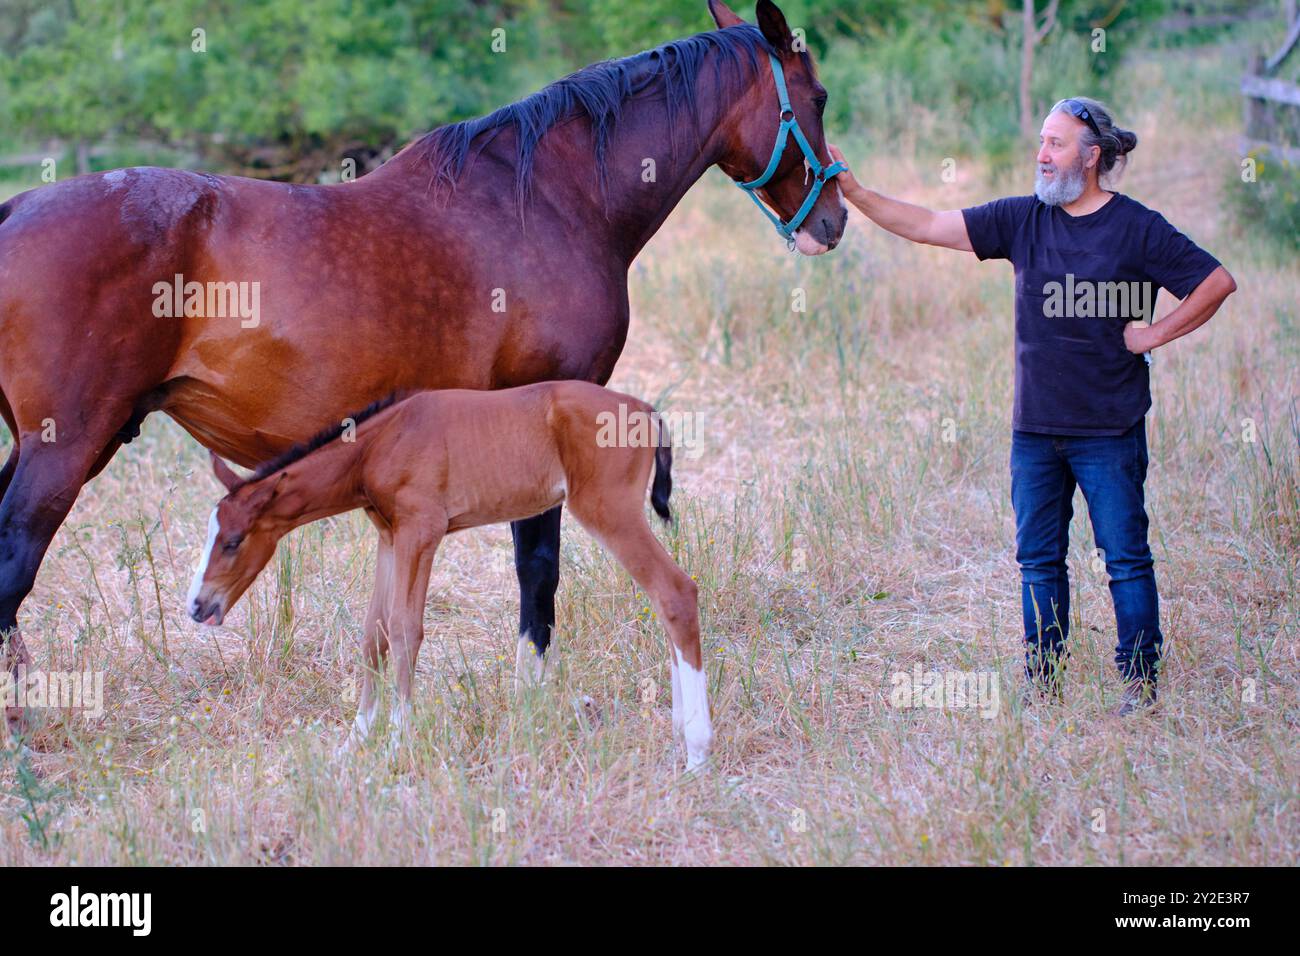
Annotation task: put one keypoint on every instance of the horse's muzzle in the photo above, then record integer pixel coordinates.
(829, 229)
(206, 612)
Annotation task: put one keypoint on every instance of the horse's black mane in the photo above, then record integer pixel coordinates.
(323, 437)
(598, 91)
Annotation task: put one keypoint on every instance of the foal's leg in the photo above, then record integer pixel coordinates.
(413, 560)
(374, 642)
(537, 565)
(675, 598)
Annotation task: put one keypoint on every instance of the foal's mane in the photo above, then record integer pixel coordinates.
(323, 437)
(597, 91)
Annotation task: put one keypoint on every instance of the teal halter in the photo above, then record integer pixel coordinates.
(789, 124)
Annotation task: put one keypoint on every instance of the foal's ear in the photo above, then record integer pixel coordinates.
(224, 473)
(264, 491)
(771, 21)
(723, 15)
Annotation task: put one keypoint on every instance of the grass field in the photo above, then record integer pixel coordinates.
(848, 518)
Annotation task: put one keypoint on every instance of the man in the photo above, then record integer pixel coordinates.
(1088, 262)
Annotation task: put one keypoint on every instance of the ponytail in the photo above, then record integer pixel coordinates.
(1115, 143)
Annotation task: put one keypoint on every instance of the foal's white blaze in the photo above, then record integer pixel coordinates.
(197, 585)
(696, 726)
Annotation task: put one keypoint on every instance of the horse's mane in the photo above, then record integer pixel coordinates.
(597, 91)
(323, 437)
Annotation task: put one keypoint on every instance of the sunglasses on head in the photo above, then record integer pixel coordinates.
(1079, 111)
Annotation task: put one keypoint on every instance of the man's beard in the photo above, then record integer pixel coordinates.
(1065, 186)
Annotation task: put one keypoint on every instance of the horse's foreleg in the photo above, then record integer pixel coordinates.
(537, 565)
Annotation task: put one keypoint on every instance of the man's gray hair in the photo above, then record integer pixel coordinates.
(1115, 143)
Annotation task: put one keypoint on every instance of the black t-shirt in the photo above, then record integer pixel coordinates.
(1079, 281)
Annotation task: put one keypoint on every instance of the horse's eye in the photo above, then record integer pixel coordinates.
(232, 544)
(820, 103)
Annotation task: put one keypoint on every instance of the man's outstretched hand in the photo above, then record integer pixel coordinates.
(848, 183)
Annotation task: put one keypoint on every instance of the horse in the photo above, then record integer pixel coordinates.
(487, 254)
(439, 462)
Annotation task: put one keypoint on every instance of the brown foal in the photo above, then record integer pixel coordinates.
(442, 461)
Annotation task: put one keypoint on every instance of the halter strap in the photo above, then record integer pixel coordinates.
(790, 126)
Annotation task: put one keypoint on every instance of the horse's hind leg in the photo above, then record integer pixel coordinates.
(675, 597)
(44, 484)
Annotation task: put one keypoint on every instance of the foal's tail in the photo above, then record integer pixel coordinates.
(662, 486)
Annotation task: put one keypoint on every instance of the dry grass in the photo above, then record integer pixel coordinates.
(837, 539)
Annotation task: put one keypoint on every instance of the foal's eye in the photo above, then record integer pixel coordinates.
(232, 544)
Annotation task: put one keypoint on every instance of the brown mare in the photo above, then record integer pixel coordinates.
(441, 462)
(487, 254)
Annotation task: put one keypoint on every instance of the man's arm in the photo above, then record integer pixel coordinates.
(1193, 312)
(946, 228)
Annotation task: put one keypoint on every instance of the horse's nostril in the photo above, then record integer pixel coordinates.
(830, 234)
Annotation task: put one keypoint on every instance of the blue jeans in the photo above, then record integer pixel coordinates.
(1110, 470)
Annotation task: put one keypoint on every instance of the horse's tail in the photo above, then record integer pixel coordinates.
(662, 486)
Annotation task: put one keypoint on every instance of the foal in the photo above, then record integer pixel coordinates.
(442, 461)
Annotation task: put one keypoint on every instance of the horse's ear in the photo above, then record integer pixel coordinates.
(723, 15)
(228, 478)
(771, 21)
